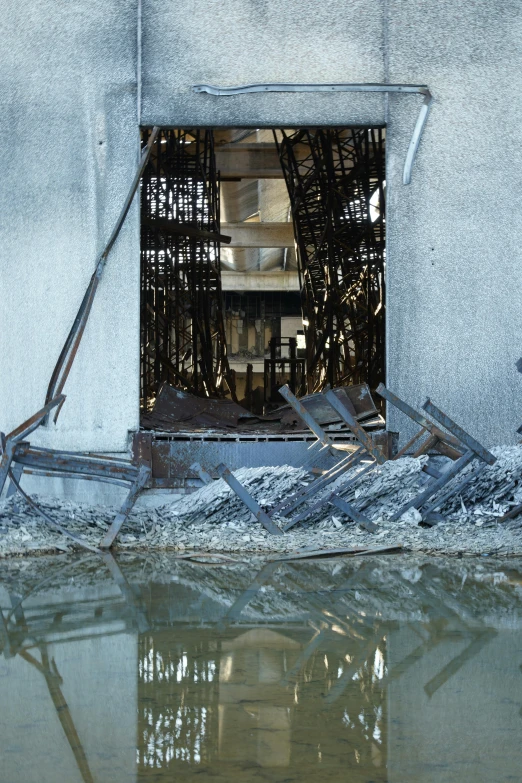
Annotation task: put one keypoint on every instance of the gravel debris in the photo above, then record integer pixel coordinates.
(214, 519)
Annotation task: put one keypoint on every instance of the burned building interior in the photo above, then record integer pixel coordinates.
(262, 263)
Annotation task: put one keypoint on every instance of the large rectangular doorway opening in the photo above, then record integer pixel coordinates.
(262, 262)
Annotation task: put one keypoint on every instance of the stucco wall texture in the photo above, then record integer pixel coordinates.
(69, 110)
(69, 148)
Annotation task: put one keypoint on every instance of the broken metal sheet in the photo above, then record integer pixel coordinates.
(174, 407)
(357, 399)
(305, 415)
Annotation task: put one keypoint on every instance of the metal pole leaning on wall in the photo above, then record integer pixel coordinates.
(420, 89)
(70, 348)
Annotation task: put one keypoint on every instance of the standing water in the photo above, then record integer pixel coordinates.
(151, 668)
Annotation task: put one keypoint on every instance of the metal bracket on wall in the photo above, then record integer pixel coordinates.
(420, 89)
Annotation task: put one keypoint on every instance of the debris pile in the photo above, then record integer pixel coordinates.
(217, 504)
(214, 518)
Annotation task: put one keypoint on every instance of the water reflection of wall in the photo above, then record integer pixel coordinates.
(68, 694)
(458, 708)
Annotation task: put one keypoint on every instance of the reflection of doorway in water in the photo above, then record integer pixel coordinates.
(279, 698)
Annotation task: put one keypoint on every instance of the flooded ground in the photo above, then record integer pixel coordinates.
(149, 668)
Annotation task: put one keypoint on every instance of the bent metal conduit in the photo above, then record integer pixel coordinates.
(420, 89)
(70, 348)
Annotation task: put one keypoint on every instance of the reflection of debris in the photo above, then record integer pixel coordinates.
(346, 632)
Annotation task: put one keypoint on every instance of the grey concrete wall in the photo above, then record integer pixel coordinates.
(237, 42)
(69, 121)
(69, 147)
(454, 264)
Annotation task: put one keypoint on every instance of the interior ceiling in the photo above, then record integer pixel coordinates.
(251, 199)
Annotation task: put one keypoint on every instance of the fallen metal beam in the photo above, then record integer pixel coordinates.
(316, 506)
(446, 444)
(353, 513)
(361, 435)
(459, 433)
(295, 499)
(446, 477)
(248, 500)
(141, 479)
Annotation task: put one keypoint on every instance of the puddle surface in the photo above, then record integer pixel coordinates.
(360, 671)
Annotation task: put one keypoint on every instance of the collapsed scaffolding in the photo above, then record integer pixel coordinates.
(183, 338)
(336, 182)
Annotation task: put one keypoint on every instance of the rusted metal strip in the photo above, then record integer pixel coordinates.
(63, 463)
(70, 348)
(25, 429)
(9, 443)
(409, 444)
(248, 500)
(420, 89)
(67, 475)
